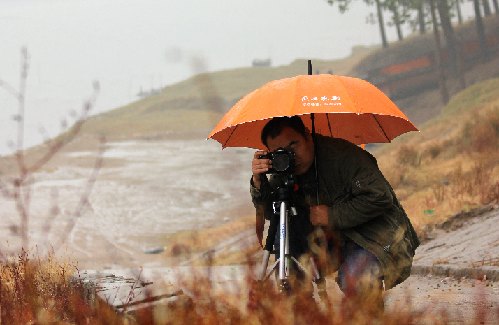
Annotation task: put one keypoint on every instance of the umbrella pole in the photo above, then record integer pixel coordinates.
(320, 236)
(314, 139)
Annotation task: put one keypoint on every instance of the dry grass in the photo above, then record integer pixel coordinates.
(452, 164)
(42, 292)
(34, 291)
(187, 244)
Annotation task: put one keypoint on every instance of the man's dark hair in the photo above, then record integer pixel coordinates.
(275, 126)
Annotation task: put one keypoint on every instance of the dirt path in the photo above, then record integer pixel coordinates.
(466, 245)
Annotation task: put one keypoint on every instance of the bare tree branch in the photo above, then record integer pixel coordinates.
(84, 202)
(20, 188)
(56, 146)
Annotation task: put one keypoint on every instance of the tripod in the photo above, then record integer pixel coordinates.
(284, 260)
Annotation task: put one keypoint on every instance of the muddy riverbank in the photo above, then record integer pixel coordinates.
(150, 190)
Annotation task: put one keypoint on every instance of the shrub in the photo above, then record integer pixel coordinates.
(434, 150)
(409, 156)
(482, 133)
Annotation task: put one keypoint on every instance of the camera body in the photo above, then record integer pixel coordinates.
(283, 161)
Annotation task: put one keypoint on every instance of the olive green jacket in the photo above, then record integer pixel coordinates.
(362, 205)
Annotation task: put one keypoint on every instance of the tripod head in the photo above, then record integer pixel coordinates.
(284, 187)
(282, 192)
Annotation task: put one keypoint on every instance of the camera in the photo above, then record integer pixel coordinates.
(283, 161)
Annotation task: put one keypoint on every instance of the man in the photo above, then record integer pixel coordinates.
(377, 241)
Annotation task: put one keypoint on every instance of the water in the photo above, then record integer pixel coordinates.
(157, 189)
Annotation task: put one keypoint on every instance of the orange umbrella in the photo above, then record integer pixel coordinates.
(344, 107)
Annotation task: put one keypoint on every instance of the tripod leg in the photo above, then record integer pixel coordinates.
(319, 280)
(315, 270)
(282, 241)
(265, 263)
(284, 259)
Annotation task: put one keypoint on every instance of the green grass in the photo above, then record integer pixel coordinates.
(472, 97)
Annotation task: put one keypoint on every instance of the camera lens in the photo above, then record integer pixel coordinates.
(281, 162)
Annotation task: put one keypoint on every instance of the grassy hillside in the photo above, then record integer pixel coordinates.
(199, 102)
(452, 164)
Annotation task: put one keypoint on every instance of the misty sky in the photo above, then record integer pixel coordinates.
(127, 45)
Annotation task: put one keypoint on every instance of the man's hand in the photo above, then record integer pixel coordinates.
(259, 166)
(319, 215)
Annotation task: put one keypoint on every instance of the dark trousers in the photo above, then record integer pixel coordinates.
(360, 278)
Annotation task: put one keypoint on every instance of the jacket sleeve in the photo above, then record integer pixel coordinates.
(261, 199)
(368, 194)
(262, 195)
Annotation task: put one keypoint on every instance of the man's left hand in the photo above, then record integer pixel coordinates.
(319, 215)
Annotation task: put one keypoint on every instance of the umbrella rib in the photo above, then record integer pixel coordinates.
(374, 116)
(230, 135)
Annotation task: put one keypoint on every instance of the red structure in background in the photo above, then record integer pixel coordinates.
(409, 74)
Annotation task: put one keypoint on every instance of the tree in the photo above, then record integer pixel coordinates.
(480, 29)
(400, 14)
(18, 187)
(443, 9)
(422, 17)
(486, 8)
(419, 5)
(381, 21)
(343, 6)
(442, 79)
(457, 4)
(496, 6)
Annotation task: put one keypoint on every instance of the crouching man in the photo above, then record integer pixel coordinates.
(370, 237)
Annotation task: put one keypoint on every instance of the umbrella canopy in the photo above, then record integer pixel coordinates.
(344, 107)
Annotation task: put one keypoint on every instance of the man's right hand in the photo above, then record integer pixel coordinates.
(259, 166)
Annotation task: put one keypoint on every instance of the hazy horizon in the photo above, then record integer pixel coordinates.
(130, 45)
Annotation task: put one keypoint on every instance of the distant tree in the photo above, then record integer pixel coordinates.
(343, 6)
(480, 29)
(443, 9)
(486, 8)
(400, 14)
(422, 16)
(381, 20)
(442, 79)
(419, 5)
(457, 4)
(496, 6)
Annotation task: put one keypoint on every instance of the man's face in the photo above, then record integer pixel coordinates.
(291, 140)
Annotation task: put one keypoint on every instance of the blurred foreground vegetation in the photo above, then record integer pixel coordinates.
(50, 292)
